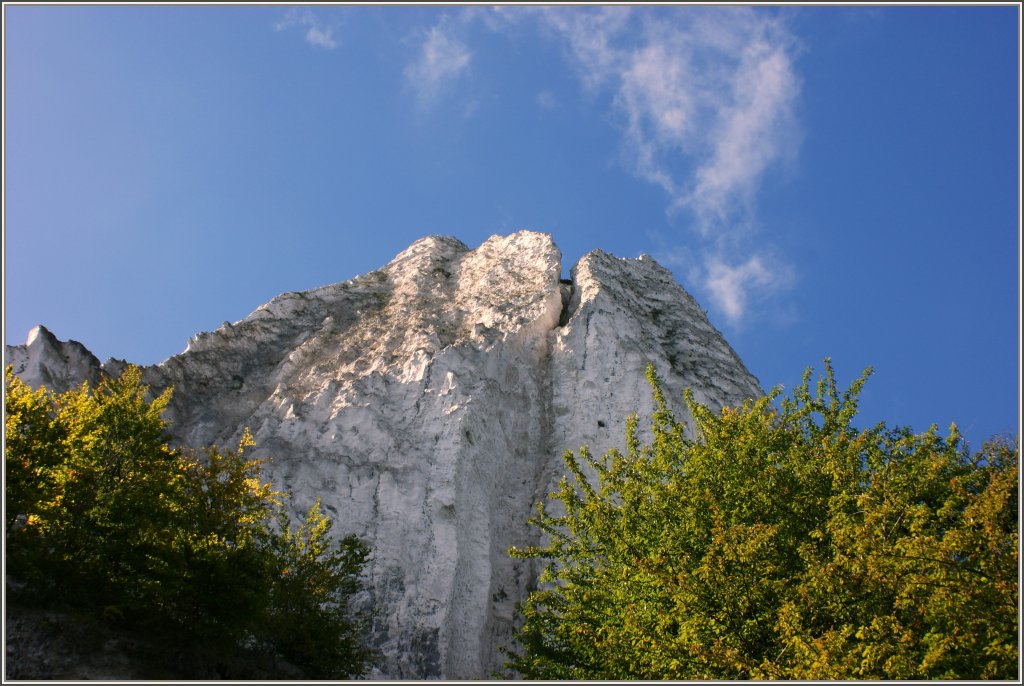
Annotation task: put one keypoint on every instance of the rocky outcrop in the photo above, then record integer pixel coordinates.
(427, 405)
(46, 361)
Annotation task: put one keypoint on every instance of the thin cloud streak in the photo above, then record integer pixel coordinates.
(731, 288)
(589, 34)
(319, 36)
(753, 129)
(316, 33)
(546, 100)
(441, 61)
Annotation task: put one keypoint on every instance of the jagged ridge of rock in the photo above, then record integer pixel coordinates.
(427, 405)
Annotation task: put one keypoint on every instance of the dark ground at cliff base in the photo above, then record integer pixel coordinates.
(45, 644)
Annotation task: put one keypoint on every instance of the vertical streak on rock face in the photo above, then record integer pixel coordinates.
(427, 405)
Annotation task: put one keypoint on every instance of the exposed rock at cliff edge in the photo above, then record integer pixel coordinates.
(427, 405)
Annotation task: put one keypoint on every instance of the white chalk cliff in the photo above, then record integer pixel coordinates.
(427, 405)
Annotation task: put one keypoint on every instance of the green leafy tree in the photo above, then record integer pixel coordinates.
(780, 543)
(103, 515)
(88, 469)
(311, 622)
(33, 447)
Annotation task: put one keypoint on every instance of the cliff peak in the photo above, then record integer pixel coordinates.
(427, 405)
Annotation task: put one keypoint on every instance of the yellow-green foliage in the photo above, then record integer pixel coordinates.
(104, 516)
(781, 544)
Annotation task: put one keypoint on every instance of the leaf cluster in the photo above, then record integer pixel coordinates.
(780, 543)
(102, 515)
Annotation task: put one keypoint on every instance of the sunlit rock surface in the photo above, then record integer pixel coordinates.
(427, 405)
(46, 361)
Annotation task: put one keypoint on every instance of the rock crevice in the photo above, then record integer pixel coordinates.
(567, 290)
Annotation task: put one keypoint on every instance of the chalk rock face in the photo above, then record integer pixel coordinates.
(427, 405)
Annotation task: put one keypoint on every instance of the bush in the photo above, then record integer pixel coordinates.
(102, 514)
(780, 544)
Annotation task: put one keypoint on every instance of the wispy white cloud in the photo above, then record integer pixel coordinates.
(317, 33)
(590, 34)
(734, 282)
(755, 128)
(705, 97)
(546, 100)
(705, 100)
(441, 60)
(732, 287)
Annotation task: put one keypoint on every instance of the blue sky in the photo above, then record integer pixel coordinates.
(826, 181)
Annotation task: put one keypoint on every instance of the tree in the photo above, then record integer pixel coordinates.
(32, 449)
(780, 543)
(103, 515)
(310, 621)
(89, 468)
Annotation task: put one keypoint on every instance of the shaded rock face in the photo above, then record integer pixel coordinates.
(427, 405)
